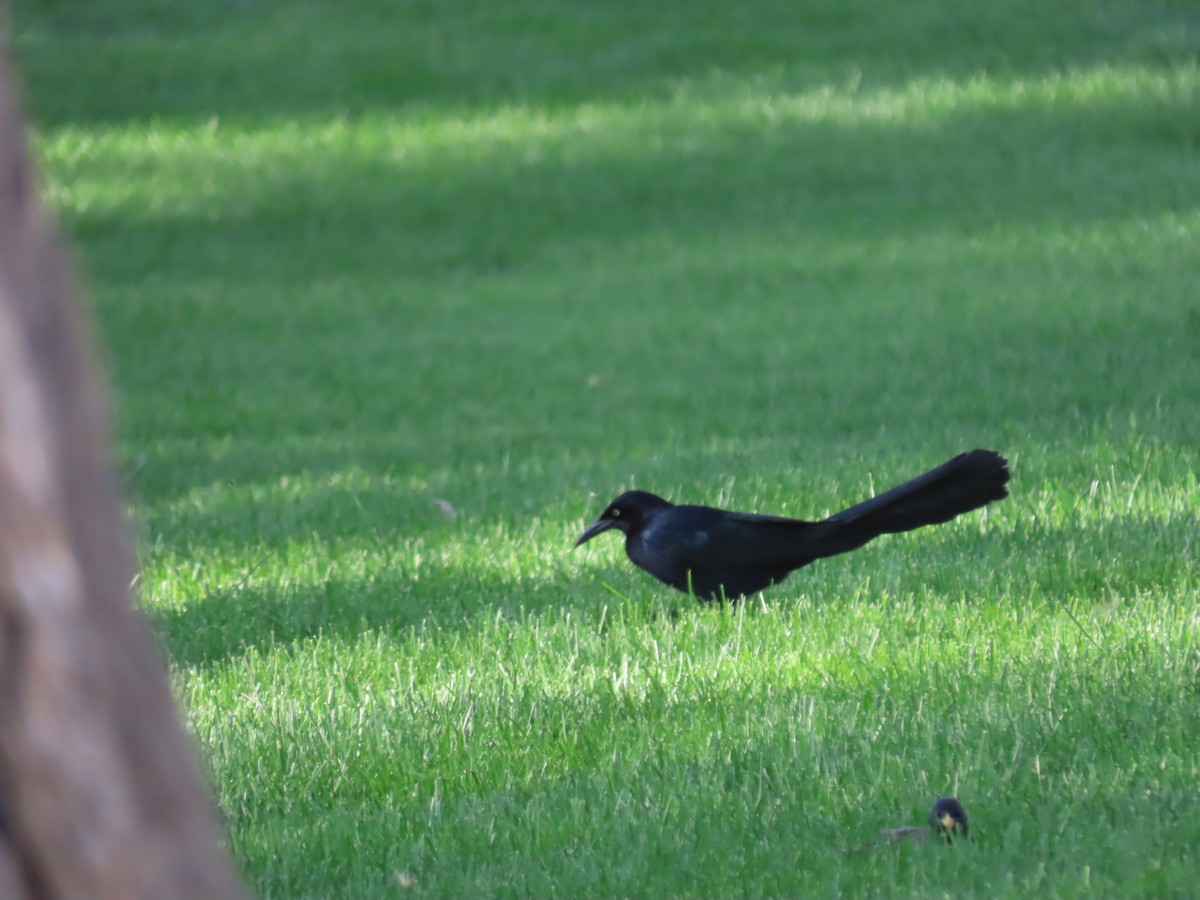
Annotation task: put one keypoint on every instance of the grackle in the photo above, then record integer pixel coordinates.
(718, 554)
(947, 820)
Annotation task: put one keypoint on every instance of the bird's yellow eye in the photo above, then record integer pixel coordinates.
(616, 513)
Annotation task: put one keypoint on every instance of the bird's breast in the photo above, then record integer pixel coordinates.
(666, 553)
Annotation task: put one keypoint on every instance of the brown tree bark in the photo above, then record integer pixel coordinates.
(99, 796)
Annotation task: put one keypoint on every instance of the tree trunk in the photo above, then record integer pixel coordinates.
(99, 796)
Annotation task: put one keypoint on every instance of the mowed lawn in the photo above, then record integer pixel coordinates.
(396, 296)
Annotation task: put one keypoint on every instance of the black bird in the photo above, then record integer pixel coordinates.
(948, 818)
(714, 553)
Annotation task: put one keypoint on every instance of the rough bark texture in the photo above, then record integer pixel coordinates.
(99, 796)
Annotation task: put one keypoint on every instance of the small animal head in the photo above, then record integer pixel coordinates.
(948, 818)
(627, 514)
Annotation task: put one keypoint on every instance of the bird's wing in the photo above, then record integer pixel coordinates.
(750, 542)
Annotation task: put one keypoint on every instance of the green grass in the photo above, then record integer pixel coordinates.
(352, 259)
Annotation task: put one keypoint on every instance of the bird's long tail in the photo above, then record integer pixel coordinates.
(966, 482)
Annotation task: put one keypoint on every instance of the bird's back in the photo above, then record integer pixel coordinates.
(722, 552)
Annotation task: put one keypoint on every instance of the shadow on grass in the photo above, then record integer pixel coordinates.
(1031, 381)
(134, 60)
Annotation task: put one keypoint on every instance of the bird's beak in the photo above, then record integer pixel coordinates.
(594, 529)
(948, 823)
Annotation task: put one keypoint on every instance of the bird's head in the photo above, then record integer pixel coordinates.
(627, 513)
(948, 818)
